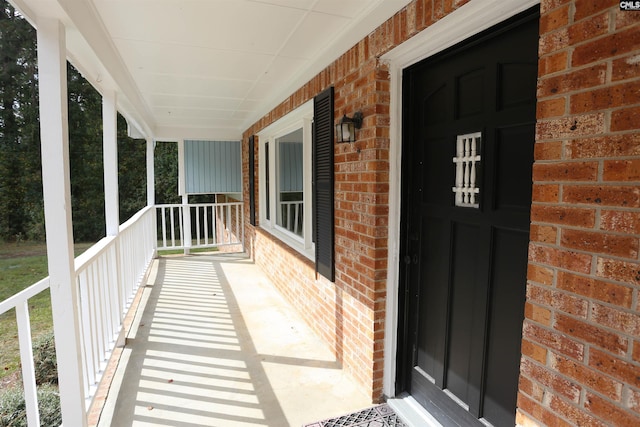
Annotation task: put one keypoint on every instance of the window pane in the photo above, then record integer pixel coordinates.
(290, 213)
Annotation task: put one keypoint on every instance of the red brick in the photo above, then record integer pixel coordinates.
(625, 119)
(553, 63)
(551, 108)
(622, 170)
(548, 150)
(580, 263)
(537, 314)
(546, 193)
(586, 8)
(634, 400)
(558, 301)
(576, 415)
(618, 319)
(584, 375)
(543, 233)
(534, 351)
(620, 221)
(621, 271)
(613, 414)
(615, 44)
(565, 171)
(623, 196)
(591, 334)
(547, 6)
(540, 414)
(595, 289)
(554, 19)
(570, 82)
(626, 68)
(627, 372)
(553, 42)
(608, 97)
(636, 351)
(539, 274)
(555, 341)
(550, 379)
(563, 215)
(571, 127)
(606, 146)
(624, 19)
(597, 242)
(589, 28)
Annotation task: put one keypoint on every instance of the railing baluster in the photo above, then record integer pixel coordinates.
(164, 228)
(26, 360)
(197, 225)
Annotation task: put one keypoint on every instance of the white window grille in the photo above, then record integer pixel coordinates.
(466, 161)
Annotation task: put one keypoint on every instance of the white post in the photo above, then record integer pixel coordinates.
(52, 76)
(151, 187)
(110, 158)
(151, 190)
(182, 191)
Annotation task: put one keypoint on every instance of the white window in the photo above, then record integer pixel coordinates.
(285, 179)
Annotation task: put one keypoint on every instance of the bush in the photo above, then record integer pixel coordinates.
(13, 412)
(44, 359)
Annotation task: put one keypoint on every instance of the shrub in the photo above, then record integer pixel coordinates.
(44, 359)
(13, 412)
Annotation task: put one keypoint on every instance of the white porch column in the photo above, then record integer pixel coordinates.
(110, 158)
(151, 174)
(52, 70)
(182, 191)
(151, 189)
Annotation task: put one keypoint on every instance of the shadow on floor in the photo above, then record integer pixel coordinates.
(216, 346)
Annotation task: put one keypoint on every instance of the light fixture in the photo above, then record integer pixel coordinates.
(346, 129)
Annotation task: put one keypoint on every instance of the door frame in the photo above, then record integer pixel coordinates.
(470, 19)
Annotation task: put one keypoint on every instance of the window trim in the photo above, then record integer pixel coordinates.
(302, 117)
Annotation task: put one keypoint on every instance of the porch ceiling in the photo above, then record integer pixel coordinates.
(206, 68)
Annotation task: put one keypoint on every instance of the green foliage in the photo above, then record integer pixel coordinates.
(166, 171)
(44, 359)
(21, 207)
(13, 411)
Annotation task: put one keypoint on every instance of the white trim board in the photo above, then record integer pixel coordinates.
(468, 20)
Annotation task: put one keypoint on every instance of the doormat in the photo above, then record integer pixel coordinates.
(378, 416)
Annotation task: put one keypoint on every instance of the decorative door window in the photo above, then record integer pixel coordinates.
(467, 162)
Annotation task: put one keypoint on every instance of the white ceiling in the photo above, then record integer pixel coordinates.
(206, 68)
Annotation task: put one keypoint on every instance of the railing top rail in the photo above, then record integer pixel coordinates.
(85, 258)
(128, 223)
(175, 205)
(24, 295)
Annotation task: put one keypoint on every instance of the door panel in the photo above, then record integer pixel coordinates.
(465, 274)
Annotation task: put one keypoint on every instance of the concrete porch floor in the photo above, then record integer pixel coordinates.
(214, 344)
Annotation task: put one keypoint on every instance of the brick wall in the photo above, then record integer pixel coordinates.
(581, 346)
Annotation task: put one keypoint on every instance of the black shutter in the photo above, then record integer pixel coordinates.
(323, 183)
(252, 180)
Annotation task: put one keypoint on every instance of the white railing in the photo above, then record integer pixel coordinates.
(208, 225)
(107, 276)
(20, 302)
(291, 216)
(120, 261)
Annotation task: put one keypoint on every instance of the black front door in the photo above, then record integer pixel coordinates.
(468, 137)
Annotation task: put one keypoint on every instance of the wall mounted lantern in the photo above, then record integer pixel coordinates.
(346, 129)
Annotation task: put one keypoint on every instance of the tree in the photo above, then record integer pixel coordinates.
(21, 202)
(19, 128)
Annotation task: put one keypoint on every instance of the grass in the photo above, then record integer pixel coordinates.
(21, 265)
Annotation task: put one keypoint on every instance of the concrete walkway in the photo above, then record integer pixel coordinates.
(213, 344)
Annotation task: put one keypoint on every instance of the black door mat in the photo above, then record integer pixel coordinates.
(378, 416)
